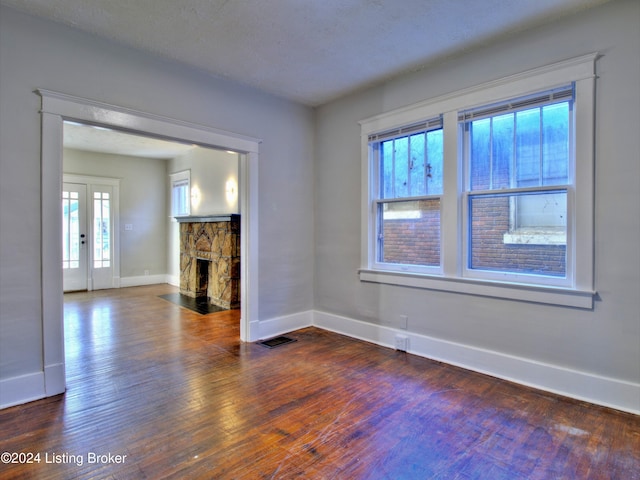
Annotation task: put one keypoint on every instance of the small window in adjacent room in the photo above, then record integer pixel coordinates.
(180, 193)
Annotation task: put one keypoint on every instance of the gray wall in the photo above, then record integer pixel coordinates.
(38, 54)
(309, 180)
(605, 341)
(143, 202)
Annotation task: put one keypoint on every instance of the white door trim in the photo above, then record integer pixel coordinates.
(57, 107)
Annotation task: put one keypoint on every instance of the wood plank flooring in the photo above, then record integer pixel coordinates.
(176, 395)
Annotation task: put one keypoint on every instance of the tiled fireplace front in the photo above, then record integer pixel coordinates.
(210, 259)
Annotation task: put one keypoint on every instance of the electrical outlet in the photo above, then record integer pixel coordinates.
(146, 272)
(404, 320)
(402, 343)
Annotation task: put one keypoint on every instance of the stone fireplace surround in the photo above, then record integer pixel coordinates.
(210, 259)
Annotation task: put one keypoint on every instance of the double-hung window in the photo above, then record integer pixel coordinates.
(486, 191)
(180, 193)
(408, 165)
(519, 162)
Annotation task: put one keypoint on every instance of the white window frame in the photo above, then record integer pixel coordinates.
(467, 193)
(377, 200)
(176, 180)
(579, 291)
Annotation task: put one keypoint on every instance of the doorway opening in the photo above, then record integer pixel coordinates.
(56, 108)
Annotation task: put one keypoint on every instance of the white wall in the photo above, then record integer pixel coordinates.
(603, 344)
(210, 171)
(39, 54)
(143, 201)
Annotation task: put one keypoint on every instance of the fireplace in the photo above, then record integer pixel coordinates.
(210, 259)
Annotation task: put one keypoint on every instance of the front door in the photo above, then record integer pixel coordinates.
(74, 237)
(101, 255)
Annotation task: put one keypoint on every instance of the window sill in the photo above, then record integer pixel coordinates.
(536, 236)
(511, 291)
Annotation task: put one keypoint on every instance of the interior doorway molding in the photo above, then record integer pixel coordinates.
(58, 107)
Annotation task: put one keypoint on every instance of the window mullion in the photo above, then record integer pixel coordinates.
(450, 234)
(393, 169)
(425, 168)
(514, 162)
(541, 149)
(491, 153)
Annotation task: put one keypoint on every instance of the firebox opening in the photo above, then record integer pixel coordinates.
(202, 282)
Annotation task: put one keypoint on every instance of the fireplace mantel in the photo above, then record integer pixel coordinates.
(225, 217)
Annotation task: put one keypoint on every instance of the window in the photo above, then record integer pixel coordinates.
(519, 157)
(407, 201)
(180, 193)
(488, 190)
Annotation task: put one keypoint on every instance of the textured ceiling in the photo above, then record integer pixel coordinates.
(309, 51)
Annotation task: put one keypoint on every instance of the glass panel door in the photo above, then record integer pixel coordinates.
(74, 238)
(101, 230)
(102, 236)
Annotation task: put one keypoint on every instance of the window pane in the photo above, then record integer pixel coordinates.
(411, 166)
(417, 165)
(502, 151)
(523, 149)
(180, 201)
(480, 144)
(410, 232)
(555, 145)
(102, 233)
(528, 148)
(386, 169)
(401, 168)
(522, 233)
(70, 230)
(435, 160)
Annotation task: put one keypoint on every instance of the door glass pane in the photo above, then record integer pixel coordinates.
(70, 230)
(102, 230)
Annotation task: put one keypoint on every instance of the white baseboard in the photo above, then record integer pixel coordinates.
(142, 280)
(608, 392)
(173, 280)
(599, 390)
(288, 323)
(22, 389)
(55, 381)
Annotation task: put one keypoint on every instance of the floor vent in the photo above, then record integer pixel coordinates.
(276, 342)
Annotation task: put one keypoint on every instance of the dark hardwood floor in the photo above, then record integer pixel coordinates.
(175, 394)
